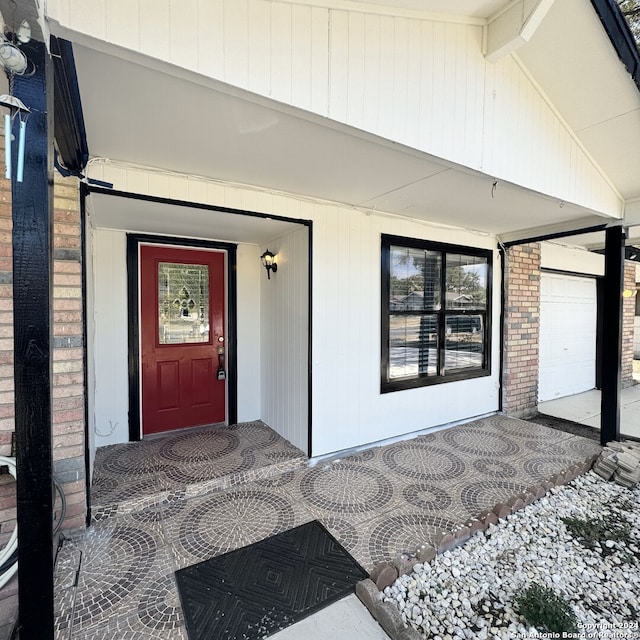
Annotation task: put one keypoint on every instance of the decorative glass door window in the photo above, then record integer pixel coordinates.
(183, 303)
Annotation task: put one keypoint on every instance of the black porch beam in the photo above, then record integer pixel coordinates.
(32, 202)
(612, 334)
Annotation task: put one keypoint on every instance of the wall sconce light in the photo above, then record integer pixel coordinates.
(269, 263)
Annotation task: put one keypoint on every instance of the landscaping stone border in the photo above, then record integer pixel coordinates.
(384, 574)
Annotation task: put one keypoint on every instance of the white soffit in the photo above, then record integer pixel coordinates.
(575, 64)
(108, 211)
(193, 126)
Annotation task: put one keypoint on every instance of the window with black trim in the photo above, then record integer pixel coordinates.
(436, 320)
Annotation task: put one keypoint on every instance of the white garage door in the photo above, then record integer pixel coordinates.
(567, 335)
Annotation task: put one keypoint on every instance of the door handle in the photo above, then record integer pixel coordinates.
(222, 374)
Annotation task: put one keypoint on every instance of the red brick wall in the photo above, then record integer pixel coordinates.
(628, 315)
(68, 364)
(521, 330)
(68, 374)
(7, 485)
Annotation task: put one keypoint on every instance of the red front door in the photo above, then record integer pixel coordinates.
(183, 342)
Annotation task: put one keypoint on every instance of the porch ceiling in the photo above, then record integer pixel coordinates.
(573, 60)
(142, 216)
(185, 123)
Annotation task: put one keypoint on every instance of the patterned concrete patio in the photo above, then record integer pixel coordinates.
(168, 503)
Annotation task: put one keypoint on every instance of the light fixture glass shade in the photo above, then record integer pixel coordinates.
(267, 258)
(269, 263)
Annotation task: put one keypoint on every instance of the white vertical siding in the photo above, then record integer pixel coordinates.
(110, 319)
(248, 332)
(570, 259)
(347, 407)
(284, 343)
(421, 82)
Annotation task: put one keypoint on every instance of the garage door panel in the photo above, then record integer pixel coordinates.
(568, 315)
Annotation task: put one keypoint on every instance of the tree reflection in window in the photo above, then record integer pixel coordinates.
(435, 312)
(183, 303)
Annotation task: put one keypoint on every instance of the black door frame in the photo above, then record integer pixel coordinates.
(134, 241)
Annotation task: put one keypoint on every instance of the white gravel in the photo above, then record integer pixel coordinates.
(469, 592)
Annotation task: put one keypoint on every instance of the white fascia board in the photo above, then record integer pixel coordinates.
(514, 26)
(632, 213)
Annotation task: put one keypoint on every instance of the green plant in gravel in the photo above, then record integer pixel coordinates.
(612, 525)
(544, 609)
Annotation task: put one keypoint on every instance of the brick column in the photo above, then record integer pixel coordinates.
(628, 320)
(7, 414)
(521, 330)
(68, 364)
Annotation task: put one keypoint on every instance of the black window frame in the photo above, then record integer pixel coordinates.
(421, 380)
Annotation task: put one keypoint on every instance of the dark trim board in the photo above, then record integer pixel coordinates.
(32, 242)
(553, 236)
(612, 335)
(133, 243)
(70, 133)
(574, 274)
(401, 384)
(620, 35)
(195, 205)
(310, 343)
(85, 354)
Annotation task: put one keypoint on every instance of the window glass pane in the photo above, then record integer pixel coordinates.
(415, 280)
(413, 345)
(183, 303)
(464, 342)
(466, 286)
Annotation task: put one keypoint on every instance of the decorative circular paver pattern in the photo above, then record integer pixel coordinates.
(403, 532)
(258, 435)
(485, 495)
(262, 513)
(427, 496)
(199, 447)
(127, 460)
(480, 442)
(419, 460)
(344, 488)
(522, 429)
(345, 532)
(495, 468)
(274, 482)
(159, 607)
(362, 456)
(112, 572)
(583, 447)
(201, 470)
(541, 468)
(109, 490)
(233, 519)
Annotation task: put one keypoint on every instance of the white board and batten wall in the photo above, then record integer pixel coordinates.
(417, 79)
(284, 338)
(347, 408)
(568, 321)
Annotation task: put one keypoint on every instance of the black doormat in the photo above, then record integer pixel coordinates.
(255, 591)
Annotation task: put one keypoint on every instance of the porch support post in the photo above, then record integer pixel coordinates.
(32, 202)
(612, 334)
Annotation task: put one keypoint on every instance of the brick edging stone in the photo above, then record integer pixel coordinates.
(384, 574)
